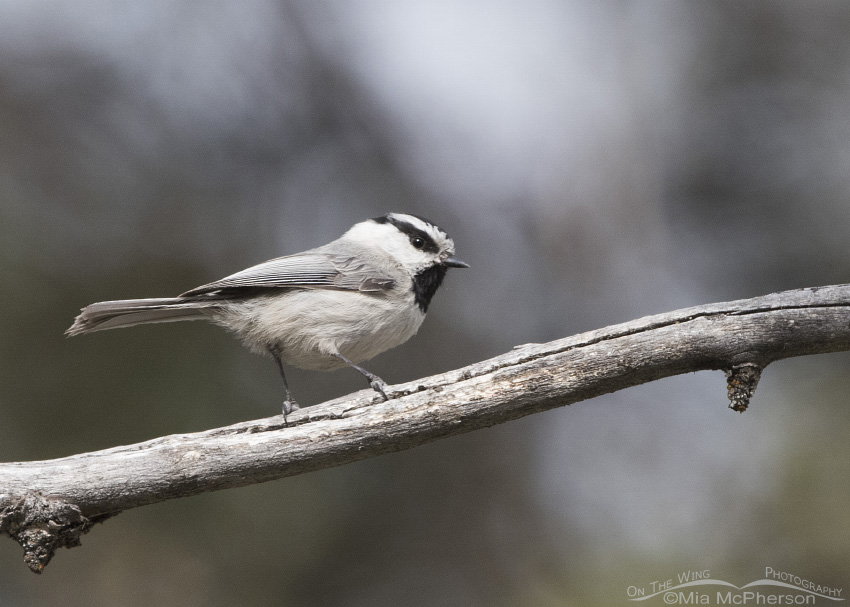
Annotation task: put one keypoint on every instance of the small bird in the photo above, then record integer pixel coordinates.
(330, 307)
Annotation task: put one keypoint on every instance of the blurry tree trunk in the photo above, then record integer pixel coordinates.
(48, 504)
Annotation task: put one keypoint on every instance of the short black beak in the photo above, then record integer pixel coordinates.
(454, 262)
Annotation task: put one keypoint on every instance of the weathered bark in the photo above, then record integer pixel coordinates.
(48, 504)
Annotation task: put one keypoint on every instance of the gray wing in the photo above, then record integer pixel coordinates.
(310, 270)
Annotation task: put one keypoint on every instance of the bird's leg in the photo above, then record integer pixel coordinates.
(289, 405)
(375, 382)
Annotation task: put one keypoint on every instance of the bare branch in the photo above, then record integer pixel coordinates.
(48, 504)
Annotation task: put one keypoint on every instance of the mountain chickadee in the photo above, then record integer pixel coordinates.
(323, 309)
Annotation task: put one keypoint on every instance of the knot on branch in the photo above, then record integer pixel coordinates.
(41, 525)
(741, 382)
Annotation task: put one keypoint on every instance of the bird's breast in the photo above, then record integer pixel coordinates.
(308, 326)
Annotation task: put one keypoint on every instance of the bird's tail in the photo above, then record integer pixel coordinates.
(130, 312)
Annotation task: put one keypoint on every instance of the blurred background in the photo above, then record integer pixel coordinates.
(595, 161)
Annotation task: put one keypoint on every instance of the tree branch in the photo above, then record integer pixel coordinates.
(48, 504)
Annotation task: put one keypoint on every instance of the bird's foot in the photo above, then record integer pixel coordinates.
(378, 385)
(289, 405)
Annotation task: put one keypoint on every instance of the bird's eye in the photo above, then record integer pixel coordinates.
(417, 242)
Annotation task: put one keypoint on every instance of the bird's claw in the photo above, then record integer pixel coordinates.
(378, 386)
(289, 406)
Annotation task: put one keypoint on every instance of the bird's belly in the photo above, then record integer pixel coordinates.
(308, 327)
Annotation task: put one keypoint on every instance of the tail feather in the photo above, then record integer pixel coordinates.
(129, 312)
